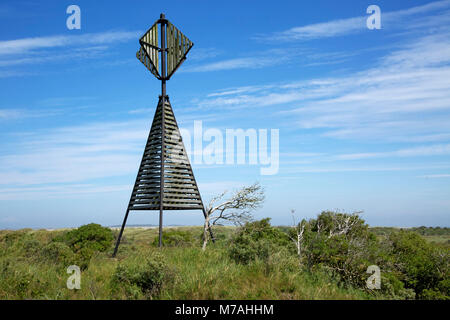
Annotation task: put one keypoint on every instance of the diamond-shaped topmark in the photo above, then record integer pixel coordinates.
(177, 45)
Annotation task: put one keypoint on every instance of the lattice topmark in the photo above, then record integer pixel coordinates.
(176, 48)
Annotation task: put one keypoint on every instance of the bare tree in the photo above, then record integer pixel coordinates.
(343, 224)
(299, 230)
(236, 209)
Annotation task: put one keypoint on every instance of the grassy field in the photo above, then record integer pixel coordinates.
(433, 235)
(33, 267)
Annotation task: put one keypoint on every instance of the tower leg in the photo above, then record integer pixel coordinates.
(120, 233)
(160, 226)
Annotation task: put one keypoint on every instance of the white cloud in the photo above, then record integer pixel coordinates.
(51, 49)
(320, 30)
(238, 63)
(347, 26)
(433, 150)
(266, 58)
(435, 176)
(141, 111)
(197, 54)
(57, 191)
(74, 154)
(361, 169)
(26, 45)
(9, 114)
(80, 53)
(13, 73)
(404, 97)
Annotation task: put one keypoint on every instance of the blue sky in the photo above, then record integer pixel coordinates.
(363, 115)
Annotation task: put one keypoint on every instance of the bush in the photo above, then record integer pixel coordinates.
(20, 281)
(346, 251)
(91, 236)
(410, 267)
(85, 241)
(177, 238)
(423, 266)
(394, 288)
(256, 241)
(343, 244)
(31, 246)
(59, 253)
(11, 237)
(141, 276)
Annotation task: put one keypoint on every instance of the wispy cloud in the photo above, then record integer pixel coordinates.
(57, 191)
(239, 63)
(435, 176)
(13, 73)
(261, 60)
(48, 107)
(140, 111)
(362, 168)
(74, 154)
(9, 114)
(433, 150)
(54, 49)
(25, 45)
(80, 53)
(199, 54)
(347, 26)
(405, 96)
(318, 30)
(13, 114)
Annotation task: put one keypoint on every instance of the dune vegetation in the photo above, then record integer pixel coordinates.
(255, 261)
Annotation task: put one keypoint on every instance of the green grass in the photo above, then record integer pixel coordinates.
(190, 273)
(33, 266)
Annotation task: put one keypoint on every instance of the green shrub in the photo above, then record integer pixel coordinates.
(433, 294)
(424, 267)
(410, 266)
(256, 241)
(11, 237)
(244, 250)
(347, 252)
(392, 287)
(177, 238)
(20, 281)
(59, 253)
(141, 276)
(31, 246)
(90, 236)
(85, 241)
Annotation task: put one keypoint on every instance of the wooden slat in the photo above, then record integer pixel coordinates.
(179, 201)
(174, 180)
(180, 189)
(177, 171)
(181, 196)
(186, 190)
(182, 206)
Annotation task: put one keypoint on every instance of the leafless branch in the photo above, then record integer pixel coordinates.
(236, 209)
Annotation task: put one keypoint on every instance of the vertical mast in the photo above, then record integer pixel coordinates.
(163, 101)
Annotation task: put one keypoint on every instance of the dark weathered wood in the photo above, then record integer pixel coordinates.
(165, 180)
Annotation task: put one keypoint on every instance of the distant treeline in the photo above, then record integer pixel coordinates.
(423, 231)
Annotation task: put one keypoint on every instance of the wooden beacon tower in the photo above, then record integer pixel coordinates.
(165, 180)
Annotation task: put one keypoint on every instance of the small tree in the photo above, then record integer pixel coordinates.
(236, 209)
